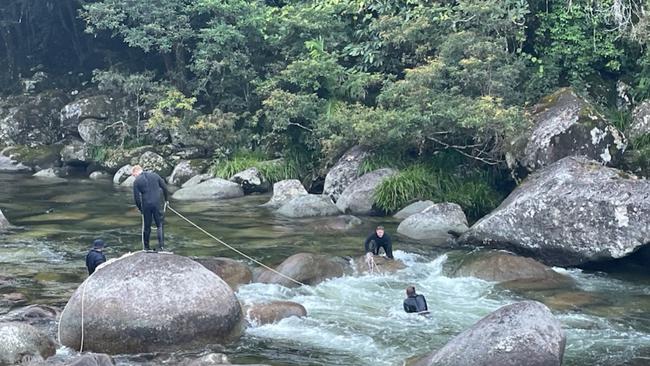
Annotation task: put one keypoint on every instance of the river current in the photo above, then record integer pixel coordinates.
(354, 320)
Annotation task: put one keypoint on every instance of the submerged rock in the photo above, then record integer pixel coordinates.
(165, 301)
(439, 224)
(565, 124)
(99, 175)
(284, 191)
(523, 333)
(358, 197)
(235, 273)
(344, 172)
(215, 188)
(307, 268)
(412, 209)
(251, 180)
(273, 312)
(572, 212)
(309, 205)
(338, 223)
(21, 343)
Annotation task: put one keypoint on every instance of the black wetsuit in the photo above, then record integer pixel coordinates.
(383, 242)
(93, 259)
(147, 189)
(415, 304)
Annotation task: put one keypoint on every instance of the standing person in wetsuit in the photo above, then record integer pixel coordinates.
(379, 239)
(414, 303)
(95, 256)
(147, 190)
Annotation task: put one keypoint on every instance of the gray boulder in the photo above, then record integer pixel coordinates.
(22, 343)
(641, 121)
(344, 172)
(100, 132)
(92, 359)
(523, 333)
(358, 197)
(76, 153)
(99, 175)
(188, 305)
(284, 191)
(98, 107)
(439, 224)
(235, 273)
(572, 212)
(336, 223)
(31, 120)
(35, 157)
(34, 314)
(309, 205)
(118, 157)
(251, 180)
(153, 162)
(4, 223)
(10, 165)
(307, 268)
(122, 174)
(128, 182)
(185, 170)
(215, 188)
(565, 124)
(412, 209)
(197, 179)
(273, 312)
(50, 173)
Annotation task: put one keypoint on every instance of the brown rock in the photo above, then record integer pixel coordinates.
(235, 273)
(381, 265)
(307, 268)
(273, 312)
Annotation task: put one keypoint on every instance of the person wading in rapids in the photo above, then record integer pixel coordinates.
(147, 191)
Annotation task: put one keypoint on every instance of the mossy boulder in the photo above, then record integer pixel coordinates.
(35, 157)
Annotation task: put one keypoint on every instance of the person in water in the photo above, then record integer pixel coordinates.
(414, 303)
(379, 239)
(147, 191)
(95, 256)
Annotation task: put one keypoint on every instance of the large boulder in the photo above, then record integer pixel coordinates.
(100, 132)
(122, 174)
(197, 179)
(76, 153)
(251, 180)
(118, 157)
(439, 224)
(358, 197)
(510, 269)
(234, 272)
(284, 191)
(412, 209)
(309, 205)
(21, 343)
(572, 212)
(215, 188)
(307, 268)
(98, 107)
(154, 162)
(4, 223)
(378, 265)
(185, 170)
(31, 120)
(641, 121)
(565, 124)
(146, 302)
(344, 172)
(36, 157)
(523, 333)
(273, 312)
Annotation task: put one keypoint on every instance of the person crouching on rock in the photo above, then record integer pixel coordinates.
(95, 256)
(379, 239)
(147, 190)
(415, 303)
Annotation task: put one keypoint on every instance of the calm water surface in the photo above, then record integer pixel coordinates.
(356, 320)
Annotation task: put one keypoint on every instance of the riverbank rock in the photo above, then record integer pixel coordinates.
(344, 172)
(380, 265)
(31, 120)
(251, 180)
(234, 272)
(211, 189)
(357, 198)
(36, 157)
(570, 213)
(99, 175)
(565, 124)
(185, 170)
(307, 268)
(76, 153)
(284, 191)
(165, 301)
(122, 174)
(412, 209)
(153, 162)
(22, 343)
(640, 121)
(309, 205)
(507, 268)
(439, 224)
(97, 107)
(50, 173)
(273, 312)
(523, 333)
(4, 223)
(8, 165)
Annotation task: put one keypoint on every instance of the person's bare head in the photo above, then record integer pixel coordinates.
(380, 231)
(410, 291)
(136, 170)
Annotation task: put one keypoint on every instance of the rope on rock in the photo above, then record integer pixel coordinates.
(233, 248)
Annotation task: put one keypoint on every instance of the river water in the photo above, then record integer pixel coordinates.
(355, 320)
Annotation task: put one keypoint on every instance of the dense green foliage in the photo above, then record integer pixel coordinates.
(307, 79)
